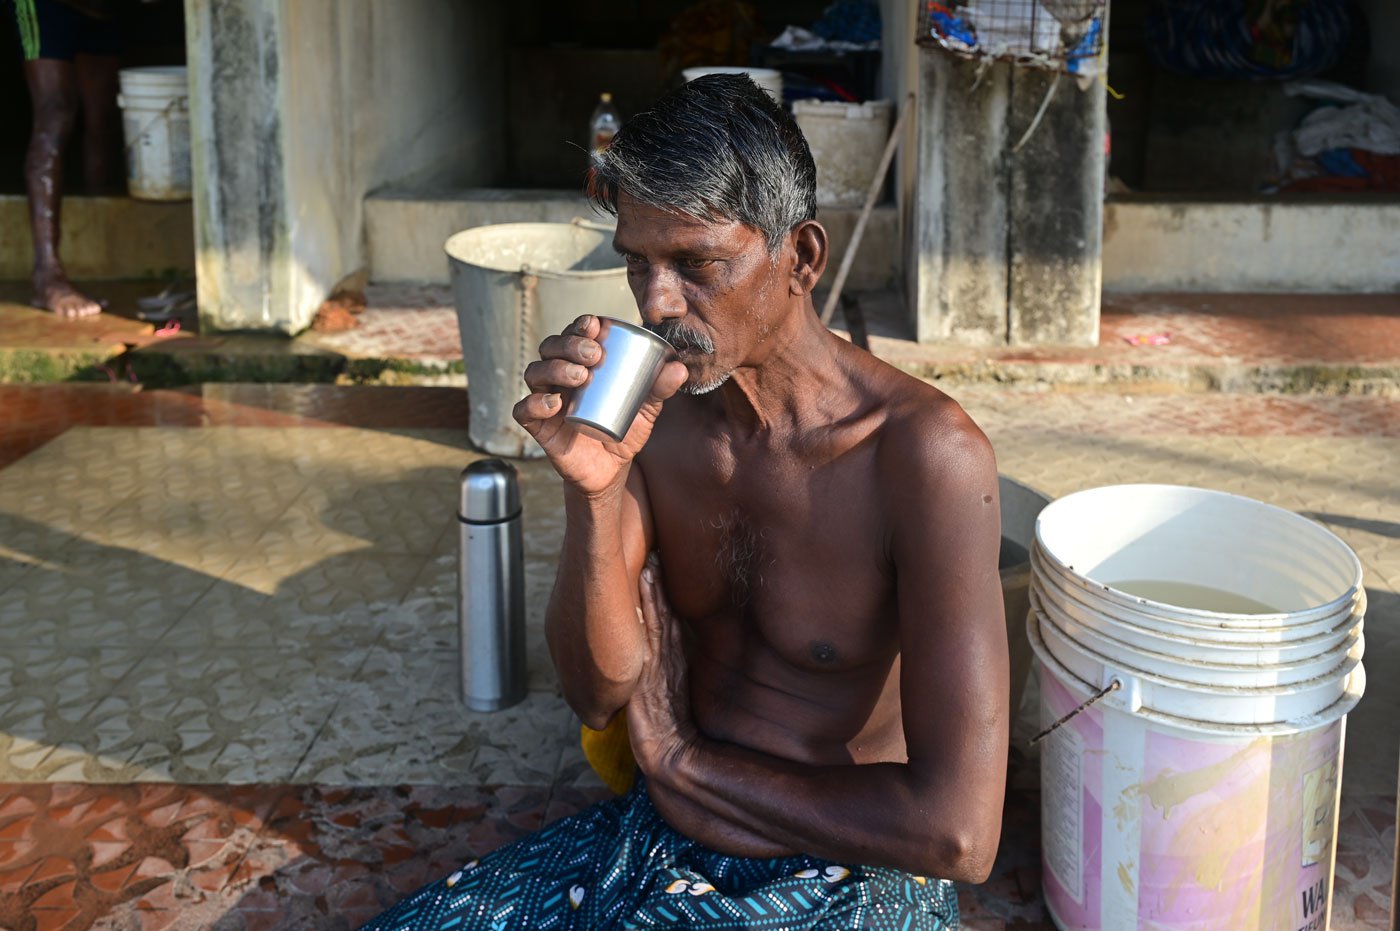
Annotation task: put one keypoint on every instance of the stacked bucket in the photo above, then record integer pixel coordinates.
(1217, 641)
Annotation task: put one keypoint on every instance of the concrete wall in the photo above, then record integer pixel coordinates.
(246, 277)
(304, 106)
(155, 239)
(958, 263)
(1007, 240)
(899, 76)
(1055, 241)
(1245, 246)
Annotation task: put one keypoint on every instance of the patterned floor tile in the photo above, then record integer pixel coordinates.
(392, 517)
(47, 691)
(330, 607)
(99, 596)
(233, 857)
(428, 617)
(388, 731)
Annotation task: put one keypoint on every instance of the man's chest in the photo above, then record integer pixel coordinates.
(798, 559)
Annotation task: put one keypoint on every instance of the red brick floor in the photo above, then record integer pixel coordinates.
(155, 856)
(1352, 328)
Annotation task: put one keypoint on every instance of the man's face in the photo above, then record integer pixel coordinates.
(706, 286)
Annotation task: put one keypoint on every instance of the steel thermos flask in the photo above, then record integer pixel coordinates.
(491, 587)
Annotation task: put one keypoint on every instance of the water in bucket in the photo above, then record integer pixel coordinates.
(1195, 597)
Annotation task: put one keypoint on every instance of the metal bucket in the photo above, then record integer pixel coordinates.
(514, 284)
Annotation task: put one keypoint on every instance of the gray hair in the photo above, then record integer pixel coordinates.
(718, 148)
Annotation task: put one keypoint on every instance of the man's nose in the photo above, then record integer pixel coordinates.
(661, 297)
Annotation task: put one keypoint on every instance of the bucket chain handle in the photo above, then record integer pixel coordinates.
(1113, 686)
(529, 307)
(181, 103)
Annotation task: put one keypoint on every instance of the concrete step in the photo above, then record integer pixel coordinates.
(104, 238)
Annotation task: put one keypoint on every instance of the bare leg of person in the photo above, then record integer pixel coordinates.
(53, 89)
(104, 157)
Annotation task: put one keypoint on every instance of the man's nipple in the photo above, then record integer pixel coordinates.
(822, 651)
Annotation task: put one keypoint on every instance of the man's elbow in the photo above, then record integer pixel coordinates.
(962, 856)
(593, 709)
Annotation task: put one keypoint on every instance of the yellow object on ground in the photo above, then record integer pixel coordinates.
(609, 752)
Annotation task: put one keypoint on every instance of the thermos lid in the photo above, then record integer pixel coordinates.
(489, 492)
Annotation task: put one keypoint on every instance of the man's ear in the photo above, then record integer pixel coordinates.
(809, 243)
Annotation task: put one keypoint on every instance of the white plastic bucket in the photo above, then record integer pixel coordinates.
(766, 78)
(156, 124)
(1186, 666)
(514, 284)
(1151, 821)
(847, 140)
(1205, 640)
(1174, 533)
(1201, 793)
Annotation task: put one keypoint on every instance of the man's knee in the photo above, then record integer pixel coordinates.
(55, 119)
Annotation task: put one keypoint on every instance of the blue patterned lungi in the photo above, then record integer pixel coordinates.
(619, 865)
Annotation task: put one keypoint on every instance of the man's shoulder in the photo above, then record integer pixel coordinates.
(921, 417)
(927, 436)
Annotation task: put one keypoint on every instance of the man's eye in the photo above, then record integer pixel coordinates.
(631, 259)
(698, 263)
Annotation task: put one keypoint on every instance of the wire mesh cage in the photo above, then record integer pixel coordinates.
(1057, 35)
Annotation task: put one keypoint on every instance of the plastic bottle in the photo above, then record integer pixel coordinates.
(604, 125)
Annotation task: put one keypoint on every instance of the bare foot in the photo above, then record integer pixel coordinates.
(56, 293)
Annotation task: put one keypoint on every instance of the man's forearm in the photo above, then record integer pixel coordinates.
(592, 624)
(877, 814)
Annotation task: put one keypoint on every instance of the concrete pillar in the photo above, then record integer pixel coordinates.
(1006, 245)
(959, 264)
(1055, 244)
(301, 107)
(247, 278)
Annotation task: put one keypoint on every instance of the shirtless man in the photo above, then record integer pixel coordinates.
(70, 58)
(785, 577)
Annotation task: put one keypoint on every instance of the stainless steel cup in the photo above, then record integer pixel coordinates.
(619, 384)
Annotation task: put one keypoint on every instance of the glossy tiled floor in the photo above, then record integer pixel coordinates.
(227, 641)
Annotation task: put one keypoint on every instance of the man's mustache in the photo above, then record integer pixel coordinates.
(683, 337)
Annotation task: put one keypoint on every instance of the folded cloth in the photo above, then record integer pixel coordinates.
(619, 865)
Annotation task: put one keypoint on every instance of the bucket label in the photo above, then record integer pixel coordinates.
(1062, 798)
(1314, 907)
(1319, 797)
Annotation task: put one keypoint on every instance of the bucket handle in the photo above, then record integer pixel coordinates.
(181, 103)
(1114, 685)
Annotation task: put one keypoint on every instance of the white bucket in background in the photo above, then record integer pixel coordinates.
(766, 78)
(847, 140)
(1201, 794)
(156, 123)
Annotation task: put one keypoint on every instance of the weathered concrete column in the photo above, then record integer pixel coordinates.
(1056, 236)
(959, 264)
(300, 108)
(244, 264)
(1006, 245)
